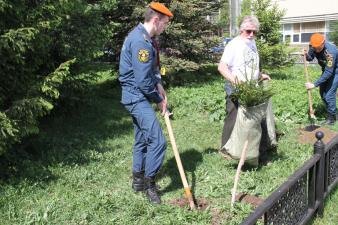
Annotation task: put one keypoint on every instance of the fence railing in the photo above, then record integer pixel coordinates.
(299, 58)
(302, 196)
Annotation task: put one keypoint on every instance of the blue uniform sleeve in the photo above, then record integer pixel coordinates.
(142, 61)
(330, 68)
(310, 54)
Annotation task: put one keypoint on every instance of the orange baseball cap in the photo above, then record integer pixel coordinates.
(316, 40)
(161, 8)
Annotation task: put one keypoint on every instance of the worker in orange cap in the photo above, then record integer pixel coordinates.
(326, 54)
(141, 85)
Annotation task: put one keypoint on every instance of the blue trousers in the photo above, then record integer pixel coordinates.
(328, 91)
(150, 144)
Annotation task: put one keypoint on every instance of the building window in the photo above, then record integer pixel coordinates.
(301, 32)
(296, 27)
(287, 27)
(313, 27)
(306, 37)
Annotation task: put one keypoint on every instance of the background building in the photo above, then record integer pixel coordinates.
(305, 17)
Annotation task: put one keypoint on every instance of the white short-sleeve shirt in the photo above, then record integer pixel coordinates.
(242, 59)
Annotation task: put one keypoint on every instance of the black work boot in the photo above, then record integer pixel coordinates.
(330, 120)
(138, 181)
(151, 190)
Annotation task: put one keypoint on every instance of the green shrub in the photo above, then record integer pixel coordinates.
(251, 93)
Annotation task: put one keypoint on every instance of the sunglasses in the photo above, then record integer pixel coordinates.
(251, 31)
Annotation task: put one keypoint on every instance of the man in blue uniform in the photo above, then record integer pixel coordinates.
(141, 84)
(326, 54)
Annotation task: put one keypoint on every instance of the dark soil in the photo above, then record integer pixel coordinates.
(250, 199)
(201, 204)
(217, 216)
(308, 134)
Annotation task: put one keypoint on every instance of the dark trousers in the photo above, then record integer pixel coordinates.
(328, 91)
(230, 119)
(150, 144)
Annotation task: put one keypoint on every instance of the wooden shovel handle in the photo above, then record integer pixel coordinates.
(178, 162)
(308, 91)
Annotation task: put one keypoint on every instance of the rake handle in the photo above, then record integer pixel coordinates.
(179, 162)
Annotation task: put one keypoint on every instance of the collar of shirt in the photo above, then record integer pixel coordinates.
(145, 33)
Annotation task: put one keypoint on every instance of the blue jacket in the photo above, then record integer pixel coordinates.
(327, 59)
(139, 72)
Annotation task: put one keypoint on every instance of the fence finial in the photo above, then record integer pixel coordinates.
(319, 135)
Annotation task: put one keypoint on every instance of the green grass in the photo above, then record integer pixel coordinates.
(78, 169)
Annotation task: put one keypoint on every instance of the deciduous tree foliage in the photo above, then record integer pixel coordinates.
(273, 52)
(333, 35)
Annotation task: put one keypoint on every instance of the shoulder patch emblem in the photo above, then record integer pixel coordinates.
(143, 55)
(329, 59)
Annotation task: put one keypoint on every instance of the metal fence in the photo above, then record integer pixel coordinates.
(299, 58)
(302, 196)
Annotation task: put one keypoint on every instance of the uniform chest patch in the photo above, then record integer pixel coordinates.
(143, 55)
(329, 59)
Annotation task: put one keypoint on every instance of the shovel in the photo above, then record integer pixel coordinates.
(178, 162)
(311, 111)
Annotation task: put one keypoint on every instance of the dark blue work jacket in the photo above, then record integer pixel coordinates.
(327, 59)
(139, 72)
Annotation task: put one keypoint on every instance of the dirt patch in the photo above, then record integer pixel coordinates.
(249, 199)
(201, 203)
(308, 135)
(217, 216)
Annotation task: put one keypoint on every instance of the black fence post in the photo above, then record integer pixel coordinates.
(319, 148)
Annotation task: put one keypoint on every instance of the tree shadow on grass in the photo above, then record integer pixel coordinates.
(280, 75)
(206, 73)
(270, 157)
(320, 110)
(190, 159)
(69, 138)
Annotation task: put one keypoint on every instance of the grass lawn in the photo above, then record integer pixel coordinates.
(78, 169)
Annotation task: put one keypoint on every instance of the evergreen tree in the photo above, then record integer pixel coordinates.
(333, 35)
(43, 43)
(186, 42)
(39, 42)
